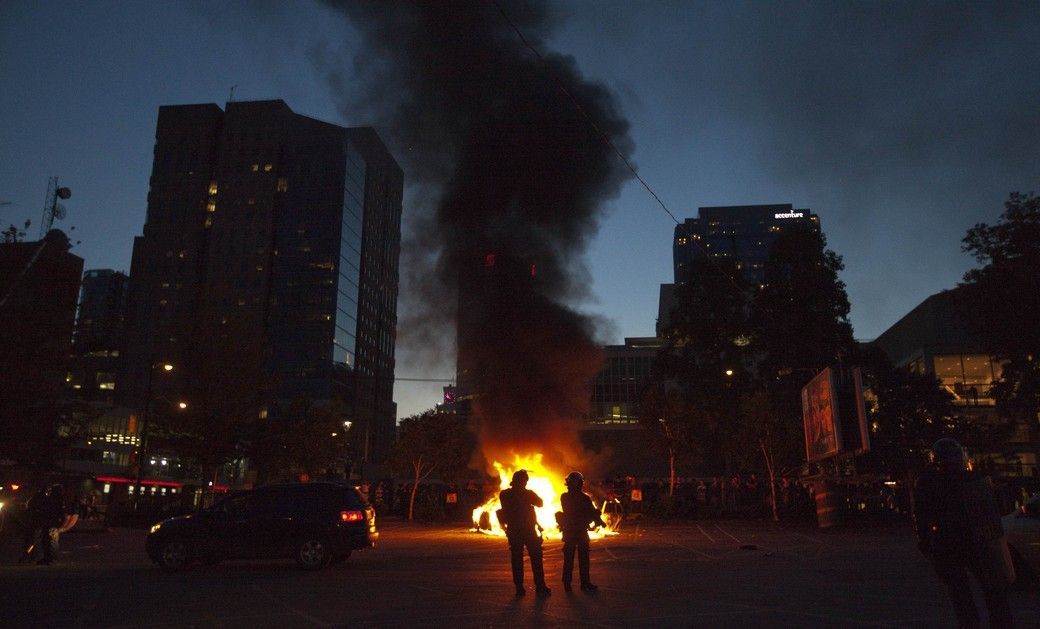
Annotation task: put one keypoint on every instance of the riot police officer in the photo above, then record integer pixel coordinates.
(577, 515)
(959, 529)
(518, 519)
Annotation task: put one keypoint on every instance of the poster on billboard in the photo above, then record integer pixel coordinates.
(821, 417)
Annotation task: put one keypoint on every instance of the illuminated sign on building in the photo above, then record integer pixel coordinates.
(789, 215)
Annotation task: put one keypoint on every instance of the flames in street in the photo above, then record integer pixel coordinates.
(547, 483)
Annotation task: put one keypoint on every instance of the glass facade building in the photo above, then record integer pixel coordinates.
(741, 232)
(279, 232)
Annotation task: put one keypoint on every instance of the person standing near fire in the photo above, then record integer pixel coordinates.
(959, 529)
(517, 517)
(577, 516)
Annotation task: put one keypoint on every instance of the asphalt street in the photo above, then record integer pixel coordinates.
(705, 574)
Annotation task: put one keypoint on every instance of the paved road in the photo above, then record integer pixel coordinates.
(713, 574)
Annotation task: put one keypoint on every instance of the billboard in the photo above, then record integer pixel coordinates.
(821, 417)
(833, 414)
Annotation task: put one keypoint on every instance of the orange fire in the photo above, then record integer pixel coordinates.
(547, 483)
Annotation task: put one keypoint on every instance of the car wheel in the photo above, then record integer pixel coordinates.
(313, 553)
(340, 558)
(174, 555)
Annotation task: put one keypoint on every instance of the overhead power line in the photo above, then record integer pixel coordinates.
(613, 147)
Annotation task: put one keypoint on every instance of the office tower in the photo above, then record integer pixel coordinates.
(270, 248)
(39, 281)
(743, 233)
(740, 232)
(98, 335)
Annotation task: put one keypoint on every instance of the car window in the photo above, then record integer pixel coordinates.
(237, 506)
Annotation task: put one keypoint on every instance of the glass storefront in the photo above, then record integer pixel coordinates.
(968, 377)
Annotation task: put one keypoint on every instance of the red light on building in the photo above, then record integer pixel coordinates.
(534, 271)
(489, 260)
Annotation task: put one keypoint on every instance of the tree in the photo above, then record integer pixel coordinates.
(705, 358)
(800, 326)
(428, 442)
(1001, 300)
(306, 438)
(907, 412)
(661, 413)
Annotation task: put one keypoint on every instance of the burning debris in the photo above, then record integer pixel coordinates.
(547, 483)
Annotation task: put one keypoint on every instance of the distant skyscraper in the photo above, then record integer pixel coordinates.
(98, 336)
(740, 232)
(743, 233)
(268, 225)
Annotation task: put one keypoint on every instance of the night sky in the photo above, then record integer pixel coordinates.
(900, 124)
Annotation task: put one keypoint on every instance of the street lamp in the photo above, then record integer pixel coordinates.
(729, 372)
(142, 450)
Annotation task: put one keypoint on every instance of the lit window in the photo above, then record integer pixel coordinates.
(283, 184)
(212, 188)
(267, 168)
(208, 222)
(255, 167)
(211, 206)
(263, 412)
(259, 267)
(251, 201)
(106, 488)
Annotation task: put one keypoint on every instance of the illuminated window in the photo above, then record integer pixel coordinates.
(283, 184)
(255, 167)
(263, 412)
(212, 188)
(267, 168)
(211, 206)
(208, 222)
(251, 201)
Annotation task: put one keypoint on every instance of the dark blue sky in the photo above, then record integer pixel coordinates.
(901, 124)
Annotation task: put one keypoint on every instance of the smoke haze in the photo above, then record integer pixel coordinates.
(516, 177)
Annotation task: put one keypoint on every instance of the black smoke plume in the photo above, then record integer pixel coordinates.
(511, 148)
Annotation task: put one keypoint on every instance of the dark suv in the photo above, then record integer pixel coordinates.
(314, 523)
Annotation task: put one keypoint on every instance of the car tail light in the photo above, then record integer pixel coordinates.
(351, 516)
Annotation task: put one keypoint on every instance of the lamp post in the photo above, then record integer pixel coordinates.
(142, 450)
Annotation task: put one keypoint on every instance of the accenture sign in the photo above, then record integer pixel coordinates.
(789, 215)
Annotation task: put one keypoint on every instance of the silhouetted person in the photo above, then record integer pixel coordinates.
(959, 529)
(46, 512)
(577, 515)
(518, 519)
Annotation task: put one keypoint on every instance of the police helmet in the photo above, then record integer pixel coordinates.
(948, 454)
(520, 478)
(574, 479)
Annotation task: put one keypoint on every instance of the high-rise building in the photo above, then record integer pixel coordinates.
(39, 281)
(743, 233)
(98, 336)
(281, 233)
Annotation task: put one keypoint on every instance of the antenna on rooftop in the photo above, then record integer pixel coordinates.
(231, 95)
(51, 208)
